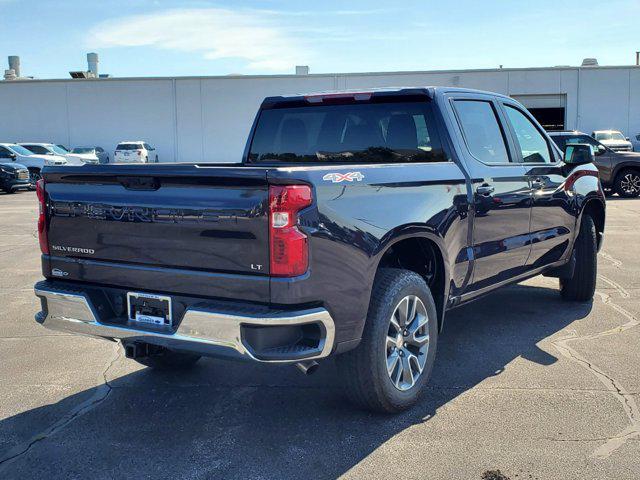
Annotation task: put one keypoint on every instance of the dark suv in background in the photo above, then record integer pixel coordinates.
(619, 171)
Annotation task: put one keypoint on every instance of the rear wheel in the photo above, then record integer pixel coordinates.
(165, 359)
(627, 183)
(392, 364)
(582, 285)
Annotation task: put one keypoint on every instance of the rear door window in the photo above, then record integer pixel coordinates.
(482, 132)
(352, 133)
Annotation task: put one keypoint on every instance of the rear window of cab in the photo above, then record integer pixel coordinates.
(350, 133)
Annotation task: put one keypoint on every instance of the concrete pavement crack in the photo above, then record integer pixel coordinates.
(98, 397)
(612, 385)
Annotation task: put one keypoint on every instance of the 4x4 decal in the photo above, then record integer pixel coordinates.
(341, 177)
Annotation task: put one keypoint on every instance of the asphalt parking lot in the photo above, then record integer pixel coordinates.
(523, 383)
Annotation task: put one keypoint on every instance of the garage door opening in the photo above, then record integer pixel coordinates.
(549, 118)
(548, 109)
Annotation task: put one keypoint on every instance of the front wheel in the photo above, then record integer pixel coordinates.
(34, 176)
(627, 183)
(582, 285)
(387, 372)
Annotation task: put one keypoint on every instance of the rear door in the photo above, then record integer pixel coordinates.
(502, 195)
(552, 221)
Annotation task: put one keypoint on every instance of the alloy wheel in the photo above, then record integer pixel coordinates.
(630, 183)
(34, 177)
(407, 342)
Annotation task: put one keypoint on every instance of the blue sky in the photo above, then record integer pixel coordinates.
(163, 37)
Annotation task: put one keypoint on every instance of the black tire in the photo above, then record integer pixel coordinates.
(627, 183)
(169, 360)
(34, 176)
(363, 371)
(582, 285)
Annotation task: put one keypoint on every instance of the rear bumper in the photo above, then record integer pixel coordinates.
(202, 330)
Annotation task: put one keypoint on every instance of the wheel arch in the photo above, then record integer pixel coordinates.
(624, 166)
(595, 208)
(422, 252)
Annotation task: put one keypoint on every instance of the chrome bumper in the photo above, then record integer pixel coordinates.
(201, 331)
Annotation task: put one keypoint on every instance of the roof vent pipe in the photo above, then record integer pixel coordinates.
(14, 64)
(92, 62)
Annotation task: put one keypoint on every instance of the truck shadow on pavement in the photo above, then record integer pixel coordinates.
(233, 420)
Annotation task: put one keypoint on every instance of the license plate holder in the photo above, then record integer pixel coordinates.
(149, 309)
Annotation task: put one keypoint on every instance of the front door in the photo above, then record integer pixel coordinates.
(552, 220)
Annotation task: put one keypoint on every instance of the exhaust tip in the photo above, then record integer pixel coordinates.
(130, 351)
(307, 367)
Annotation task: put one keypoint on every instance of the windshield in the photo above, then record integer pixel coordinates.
(19, 149)
(63, 148)
(129, 146)
(58, 150)
(82, 150)
(609, 136)
(39, 149)
(370, 133)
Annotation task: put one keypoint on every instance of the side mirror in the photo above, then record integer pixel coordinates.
(599, 150)
(627, 138)
(12, 156)
(578, 154)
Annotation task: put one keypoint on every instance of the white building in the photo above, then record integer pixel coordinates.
(200, 119)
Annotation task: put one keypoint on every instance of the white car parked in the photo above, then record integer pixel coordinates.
(135, 152)
(34, 162)
(613, 139)
(54, 150)
(90, 154)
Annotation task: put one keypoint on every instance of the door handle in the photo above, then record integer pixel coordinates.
(485, 190)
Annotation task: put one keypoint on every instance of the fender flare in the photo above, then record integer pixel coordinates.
(621, 166)
(593, 200)
(406, 232)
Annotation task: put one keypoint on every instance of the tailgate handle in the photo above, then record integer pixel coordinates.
(139, 183)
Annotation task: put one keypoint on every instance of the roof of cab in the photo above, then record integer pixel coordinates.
(428, 91)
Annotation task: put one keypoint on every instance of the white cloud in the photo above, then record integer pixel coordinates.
(218, 33)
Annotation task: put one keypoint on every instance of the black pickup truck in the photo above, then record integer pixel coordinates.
(353, 223)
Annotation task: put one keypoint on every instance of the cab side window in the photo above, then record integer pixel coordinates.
(532, 143)
(482, 132)
(5, 153)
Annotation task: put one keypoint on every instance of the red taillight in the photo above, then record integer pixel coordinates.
(42, 217)
(288, 245)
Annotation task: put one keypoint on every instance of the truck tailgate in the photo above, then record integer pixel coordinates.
(187, 217)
